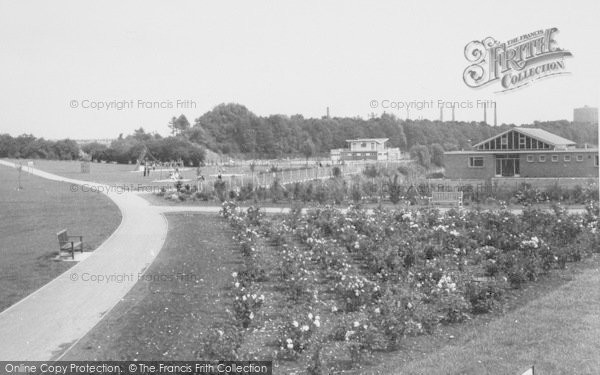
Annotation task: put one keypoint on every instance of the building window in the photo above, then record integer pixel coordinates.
(358, 154)
(596, 164)
(363, 145)
(504, 142)
(542, 158)
(475, 162)
(579, 157)
(567, 158)
(372, 145)
(554, 158)
(530, 158)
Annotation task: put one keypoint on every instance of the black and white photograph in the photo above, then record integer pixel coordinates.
(299, 187)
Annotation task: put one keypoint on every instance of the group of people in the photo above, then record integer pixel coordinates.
(152, 165)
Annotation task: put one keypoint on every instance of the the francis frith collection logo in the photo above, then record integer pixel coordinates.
(514, 63)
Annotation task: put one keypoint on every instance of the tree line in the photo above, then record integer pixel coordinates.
(233, 130)
(129, 149)
(29, 147)
(150, 147)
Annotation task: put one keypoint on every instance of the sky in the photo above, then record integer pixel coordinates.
(61, 60)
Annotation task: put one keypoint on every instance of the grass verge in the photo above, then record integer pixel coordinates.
(29, 221)
(183, 295)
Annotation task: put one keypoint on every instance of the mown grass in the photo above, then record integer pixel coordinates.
(557, 331)
(29, 221)
(167, 319)
(122, 174)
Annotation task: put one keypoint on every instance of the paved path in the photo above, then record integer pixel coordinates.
(283, 210)
(47, 322)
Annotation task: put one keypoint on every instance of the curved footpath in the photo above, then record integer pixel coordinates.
(49, 321)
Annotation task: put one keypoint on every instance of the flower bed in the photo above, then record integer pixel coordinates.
(355, 282)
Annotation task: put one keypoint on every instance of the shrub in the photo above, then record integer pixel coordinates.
(220, 188)
(355, 192)
(336, 172)
(219, 343)
(276, 191)
(483, 297)
(395, 190)
(245, 305)
(297, 335)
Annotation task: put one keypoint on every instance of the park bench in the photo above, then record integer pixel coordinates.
(446, 197)
(68, 243)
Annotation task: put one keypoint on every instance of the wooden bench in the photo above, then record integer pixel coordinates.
(67, 243)
(447, 197)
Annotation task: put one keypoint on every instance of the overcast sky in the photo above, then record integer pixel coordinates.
(274, 57)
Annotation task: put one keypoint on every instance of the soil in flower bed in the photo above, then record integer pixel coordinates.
(166, 319)
(266, 340)
(260, 341)
(272, 317)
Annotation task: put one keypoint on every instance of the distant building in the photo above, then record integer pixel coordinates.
(586, 114)
(366, 149)
(522, 152)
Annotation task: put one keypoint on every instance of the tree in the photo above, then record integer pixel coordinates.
(420, 153)
(395, 189)
(141, 135)
(66, 149)
(437, 154)
(308, 149)
(95, 150)
(178, 125)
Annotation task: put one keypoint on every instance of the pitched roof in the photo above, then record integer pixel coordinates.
(538, 134)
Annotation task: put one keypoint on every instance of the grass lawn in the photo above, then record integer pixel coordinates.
(29, 221)
(553, 324)
(183, 294)
(111, 174)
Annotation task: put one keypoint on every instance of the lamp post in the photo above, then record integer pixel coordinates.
(20, 170)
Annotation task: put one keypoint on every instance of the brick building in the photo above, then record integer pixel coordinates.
(522, 152)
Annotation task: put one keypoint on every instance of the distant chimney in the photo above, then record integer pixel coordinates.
(485, 114)
(495, 115)
(327, 112)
